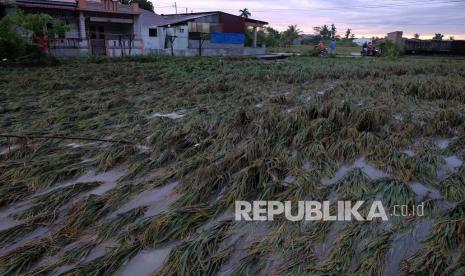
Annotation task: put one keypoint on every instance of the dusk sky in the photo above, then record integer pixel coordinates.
(365, 18)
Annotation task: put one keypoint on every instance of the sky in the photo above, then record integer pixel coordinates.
(365, 18)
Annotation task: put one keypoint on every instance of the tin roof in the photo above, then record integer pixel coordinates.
(95, 6)
(171, 19)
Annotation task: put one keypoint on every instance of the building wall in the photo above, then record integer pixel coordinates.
(160, 42)
(395, 37)
(112, 30)
(244, 51)
(194, 44)
(232, 24)
(116, 48)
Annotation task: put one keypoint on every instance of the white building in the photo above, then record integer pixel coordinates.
(362, 40)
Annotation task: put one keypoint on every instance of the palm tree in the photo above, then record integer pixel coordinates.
(438, 36)
(291, 33)
(245, 13)
(416, 36)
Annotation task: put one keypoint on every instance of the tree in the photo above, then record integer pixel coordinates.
(325, 32)
(290, 34)
(438, 36)
(416, 36)
(451, 38)
(272, 37)
(317, 30)
(348, 33)
(143, 4)
(12, 44)
(352, 36)
(245, 13)
(22, 34)
(333, 31)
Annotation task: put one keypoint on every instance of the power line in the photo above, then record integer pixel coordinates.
(386, 5)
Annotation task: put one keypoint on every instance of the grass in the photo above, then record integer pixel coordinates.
(49, 203)
(305, 49)
(201, 255)
(248, 125)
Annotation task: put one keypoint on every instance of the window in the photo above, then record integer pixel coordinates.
(181, 30)
(153, 32)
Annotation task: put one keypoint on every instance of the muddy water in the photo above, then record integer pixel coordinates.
(172, 115)
(8, 149)
(406, 244)
(158, 200)
(442, 143)
(338, 176)
(322, 250)
(369, 170)
(5, 220)
(422, 191)
(147, 262)
(36, 234)
(360, 163)
(452, 163)
(100, 250)
(244, 235)
(109, 179)
(409, 153)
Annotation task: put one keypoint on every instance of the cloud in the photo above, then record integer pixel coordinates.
(364, 18)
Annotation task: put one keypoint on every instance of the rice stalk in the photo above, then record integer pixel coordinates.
(201, 255)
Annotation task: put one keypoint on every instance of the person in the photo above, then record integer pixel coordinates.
(321, 45)
(332, 47)
(365, 48)
(370, 49)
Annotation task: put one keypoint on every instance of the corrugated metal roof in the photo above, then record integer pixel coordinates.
(95, 6)
(170, 19)
(202, 14)
(164, 20)
(49, 2)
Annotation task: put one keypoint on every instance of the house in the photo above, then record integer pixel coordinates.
(362, 40)
(108, 27)
(207, 33)
(103, 27)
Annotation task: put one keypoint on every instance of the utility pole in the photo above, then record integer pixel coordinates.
(186, 10)
(171, 39)
(176, 7)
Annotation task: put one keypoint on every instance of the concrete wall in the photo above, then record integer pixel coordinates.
(67, 52)
(194, 44)
(246, 51)
(68, 47)
(115, 49)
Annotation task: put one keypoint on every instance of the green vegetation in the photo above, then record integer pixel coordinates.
(243, 129)
(143, 4)
(342, 49)
(390, 50)
(19, 33)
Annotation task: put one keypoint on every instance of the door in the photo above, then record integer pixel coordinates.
(97, 40)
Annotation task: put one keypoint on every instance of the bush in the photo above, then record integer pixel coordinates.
(18, 29)
(390, 49)
(11, 43)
